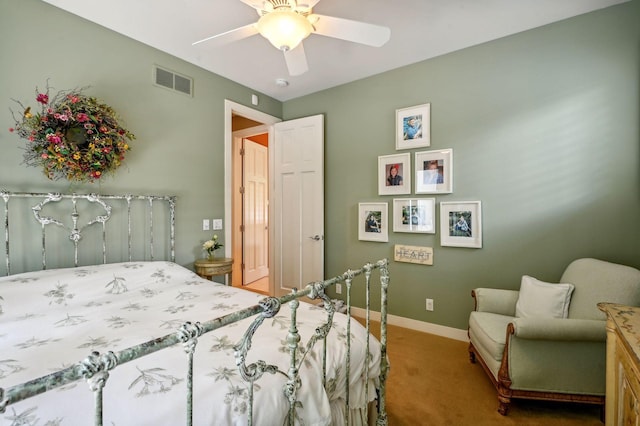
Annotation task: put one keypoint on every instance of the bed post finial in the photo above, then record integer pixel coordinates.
(95, 363)
(95, 369)
(188, 335)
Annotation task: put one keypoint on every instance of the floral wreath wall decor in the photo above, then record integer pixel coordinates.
(73, 136)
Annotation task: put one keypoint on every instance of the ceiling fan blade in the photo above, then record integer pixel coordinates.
(256, 4)
(355, 31)
(306, 4)
(296, 60)
(231, 35)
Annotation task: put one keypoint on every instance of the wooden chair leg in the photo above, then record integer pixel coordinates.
(503, 406)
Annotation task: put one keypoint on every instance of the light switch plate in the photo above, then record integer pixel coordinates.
(205, 224)
(217, 224)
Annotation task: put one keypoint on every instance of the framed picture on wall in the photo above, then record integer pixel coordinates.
(413, 127)
(373, 224)
(414, 215)
(461, 224)
(434, 172)
(394, 174)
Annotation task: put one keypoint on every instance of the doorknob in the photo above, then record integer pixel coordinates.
(316, 238)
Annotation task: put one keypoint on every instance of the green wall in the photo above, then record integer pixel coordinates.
(544, 131)
(543, 126)
(180, 139)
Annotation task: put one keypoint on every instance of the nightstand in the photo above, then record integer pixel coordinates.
(208, 268)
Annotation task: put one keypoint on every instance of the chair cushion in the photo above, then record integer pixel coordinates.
(540, 299)
(489, 331)
(600, 281)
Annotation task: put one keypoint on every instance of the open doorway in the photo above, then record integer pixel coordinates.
(250, 199)
(296, 198)
(247, 187)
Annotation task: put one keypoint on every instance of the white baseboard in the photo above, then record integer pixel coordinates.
(426, 327)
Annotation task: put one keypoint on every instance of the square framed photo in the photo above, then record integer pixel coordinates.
(414, 215)
(394, 174)
(434, 172)
(413, 127)
(461, 224)
(373, 224)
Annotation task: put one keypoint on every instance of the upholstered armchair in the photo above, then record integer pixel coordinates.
(548, 341)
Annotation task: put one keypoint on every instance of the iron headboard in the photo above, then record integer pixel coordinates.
(105, 203)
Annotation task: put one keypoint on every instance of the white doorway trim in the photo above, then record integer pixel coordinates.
(231, 107)
(237, 211)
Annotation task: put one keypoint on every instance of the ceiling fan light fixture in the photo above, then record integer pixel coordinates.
(284, 29)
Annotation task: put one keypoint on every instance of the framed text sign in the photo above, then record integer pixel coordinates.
(413, 254)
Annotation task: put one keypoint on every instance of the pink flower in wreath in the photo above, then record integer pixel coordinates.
(43, 98)
(82, 117)
(53, 138)
(74, 99)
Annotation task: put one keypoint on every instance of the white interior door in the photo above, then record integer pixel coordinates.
(255, 211)
(298, 211)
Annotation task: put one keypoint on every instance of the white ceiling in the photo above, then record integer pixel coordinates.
(420, 29)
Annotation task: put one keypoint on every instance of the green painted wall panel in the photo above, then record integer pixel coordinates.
(543, 126)
(180, 139)
(544, 131)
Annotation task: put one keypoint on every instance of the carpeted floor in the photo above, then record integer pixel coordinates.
(432, 382)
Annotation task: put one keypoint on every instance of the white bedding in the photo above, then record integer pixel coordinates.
(51, 319)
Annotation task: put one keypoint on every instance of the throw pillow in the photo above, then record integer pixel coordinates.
(540, 299)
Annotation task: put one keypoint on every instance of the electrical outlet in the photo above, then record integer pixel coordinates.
(217, 224)
(205, 224)
(429, 304)
(338, 288)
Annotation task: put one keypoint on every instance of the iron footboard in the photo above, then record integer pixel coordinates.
(95, 368)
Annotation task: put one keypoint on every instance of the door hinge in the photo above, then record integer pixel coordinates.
(242, 189)
(241, 151)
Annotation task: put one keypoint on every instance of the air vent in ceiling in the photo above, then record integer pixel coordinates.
(171, 80)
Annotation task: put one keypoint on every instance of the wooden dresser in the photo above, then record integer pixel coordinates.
(623, 364)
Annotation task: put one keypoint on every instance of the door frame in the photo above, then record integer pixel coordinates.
(231, 107)
(238, 238)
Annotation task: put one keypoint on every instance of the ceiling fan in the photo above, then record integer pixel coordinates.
(285, 23)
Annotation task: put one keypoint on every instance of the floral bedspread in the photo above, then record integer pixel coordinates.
(54, 318)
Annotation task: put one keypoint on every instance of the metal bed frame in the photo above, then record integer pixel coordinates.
(75, 232)
(95, 368)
